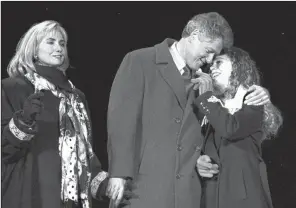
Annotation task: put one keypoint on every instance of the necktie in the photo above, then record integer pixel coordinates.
(187, 75)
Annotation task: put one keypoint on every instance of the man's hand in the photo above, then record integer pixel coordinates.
(115, 189)
(203, 82)
(258, 96)
(205, 167)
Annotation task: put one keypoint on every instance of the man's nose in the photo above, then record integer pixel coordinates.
(210, 58)
(212, 68)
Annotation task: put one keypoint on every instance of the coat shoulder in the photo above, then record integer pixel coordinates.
(143, 54)
(81, 95)
(12, 81)
(16, 84)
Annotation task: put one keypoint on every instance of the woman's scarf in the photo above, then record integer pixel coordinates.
(74, 141)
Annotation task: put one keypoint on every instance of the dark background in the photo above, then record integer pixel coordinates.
(101, 33)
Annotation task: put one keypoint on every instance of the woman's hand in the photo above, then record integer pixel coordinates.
(32, 107)
(115, 189)
(203, 82)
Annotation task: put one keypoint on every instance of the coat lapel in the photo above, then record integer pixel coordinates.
(189, 117)
(189, 107)
(169, 71)
(210, 148)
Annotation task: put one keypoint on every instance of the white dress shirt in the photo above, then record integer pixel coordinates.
(178, 60)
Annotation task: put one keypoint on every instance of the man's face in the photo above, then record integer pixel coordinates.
(200, 51)
(221, 72)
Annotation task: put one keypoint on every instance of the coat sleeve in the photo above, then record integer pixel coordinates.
(15, 136)
(99, 178)
(239, 125)
(124, 113)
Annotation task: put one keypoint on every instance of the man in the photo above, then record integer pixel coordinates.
(154, 137)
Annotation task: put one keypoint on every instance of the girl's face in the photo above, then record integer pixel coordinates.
(221, 71)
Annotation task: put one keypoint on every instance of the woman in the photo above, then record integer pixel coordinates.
(47, 155)
(235, 133)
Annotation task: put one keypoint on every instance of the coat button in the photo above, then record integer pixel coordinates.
(179, 147)
(178, 176)
(68, 132)
(177, 120)
(197, 148)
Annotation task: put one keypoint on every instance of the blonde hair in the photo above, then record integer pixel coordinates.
(26, 50)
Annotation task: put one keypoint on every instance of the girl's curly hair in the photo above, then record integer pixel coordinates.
(245, 72)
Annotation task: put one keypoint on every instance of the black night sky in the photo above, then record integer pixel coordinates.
(101, 33)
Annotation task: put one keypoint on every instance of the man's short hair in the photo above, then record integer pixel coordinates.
(211, 25)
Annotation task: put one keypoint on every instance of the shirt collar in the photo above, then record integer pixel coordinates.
(178, 60)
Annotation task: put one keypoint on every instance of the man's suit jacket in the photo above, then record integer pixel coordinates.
(153, 135)
(234, 143)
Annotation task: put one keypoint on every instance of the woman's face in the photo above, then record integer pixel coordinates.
(52, 50)
(221, 71)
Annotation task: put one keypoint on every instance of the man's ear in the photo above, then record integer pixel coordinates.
(194, 34)
(190, 39)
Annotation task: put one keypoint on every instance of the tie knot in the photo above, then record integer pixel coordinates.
(187, 73)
